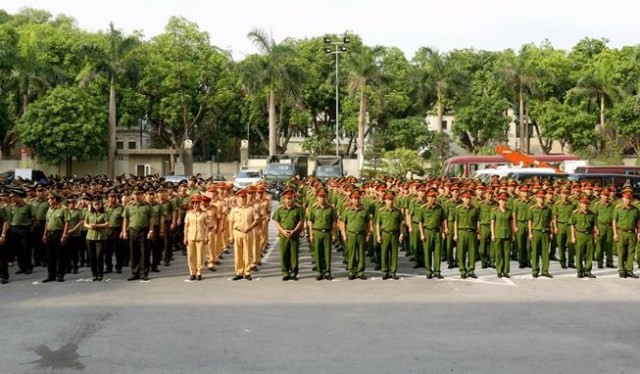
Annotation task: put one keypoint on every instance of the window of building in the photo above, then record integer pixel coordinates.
(444, 124)
(120, 145)
(132, 145)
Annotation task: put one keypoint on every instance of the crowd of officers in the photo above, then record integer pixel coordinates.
(135, 223)
(141, 222)
(464, 223)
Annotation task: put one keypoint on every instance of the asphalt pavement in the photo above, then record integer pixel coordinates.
(412, 325)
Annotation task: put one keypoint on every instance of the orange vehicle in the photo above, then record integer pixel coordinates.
(463, 166)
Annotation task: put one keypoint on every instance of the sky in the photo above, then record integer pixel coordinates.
(408, 25)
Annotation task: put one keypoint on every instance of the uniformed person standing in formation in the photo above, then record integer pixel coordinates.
(433, 230)
(356, 231)
(20, 219)
(603, 211)
(52, 238)
(4, 246)
(97, 223)
(626, 231)
(485, 247)
(502, 227)
(539, 224)
(289, 221)
(39, 207)
(242, 219)
(465, 234)
(115, 245)
(583, 231)
(389, 220)
(322, 220)
(520, 208)
(137, 227)
(562, 211)
(196, 228)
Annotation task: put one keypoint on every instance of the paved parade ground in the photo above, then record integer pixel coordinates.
(413, 325)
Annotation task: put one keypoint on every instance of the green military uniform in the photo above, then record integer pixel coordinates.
(139, 216)
(289, 219)
(56, 255)
(583, 224)
(415, 244)
(39, 208)
(432, 219)
(520, 210)
(486, 250)
(115, 245)
(562, 213)
(356, 222)
(20, 219)
(604, 242)
(450, 211)
(389, 220)
(467, 221)
(626, 221)
(323, 219)
(540, 219)
(503, 227)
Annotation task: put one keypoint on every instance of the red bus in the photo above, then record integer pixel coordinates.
(463, 166)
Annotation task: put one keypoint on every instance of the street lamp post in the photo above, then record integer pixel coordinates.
(339, 49)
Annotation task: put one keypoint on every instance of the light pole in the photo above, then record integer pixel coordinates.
(339, 49)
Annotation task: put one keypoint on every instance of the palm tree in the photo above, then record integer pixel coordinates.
(279, 76)
(110, 61)
(598, 83)
(518, 75)
(437, 74)
(364, 71)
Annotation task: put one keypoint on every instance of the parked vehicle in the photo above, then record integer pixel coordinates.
(463, 166)
(328, 167)
(175, 179)
(540, 173)
(603, 179)
(610, 169)
(246, 177)
(34, 175)
(279, 172)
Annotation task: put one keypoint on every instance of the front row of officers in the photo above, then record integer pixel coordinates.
(486, 228)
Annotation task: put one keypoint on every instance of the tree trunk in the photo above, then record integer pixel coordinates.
(440, 113)
(602, 113)
(68, 166)
(361, 119)
(521, 120)
(273, 149)
(111, 146)
(25, 103)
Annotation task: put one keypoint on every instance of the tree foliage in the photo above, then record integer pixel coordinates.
(67, 122)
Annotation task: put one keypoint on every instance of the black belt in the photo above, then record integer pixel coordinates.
(435, 230)
(391, 232)
(322, 230)
(538, 230)
(564, 222)
(416, 222)
(54, 231)
(470, 230)
(137, 229)
(584, 232)
(356, 232)
(522, 221)
(485, 224)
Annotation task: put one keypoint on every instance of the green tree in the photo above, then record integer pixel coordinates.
(438, 75)
(67, 123)
(110, 59)
(410, 133)
(277, 73)
(567, 124)
(483, 120)
(401, 161)
(364, 73)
